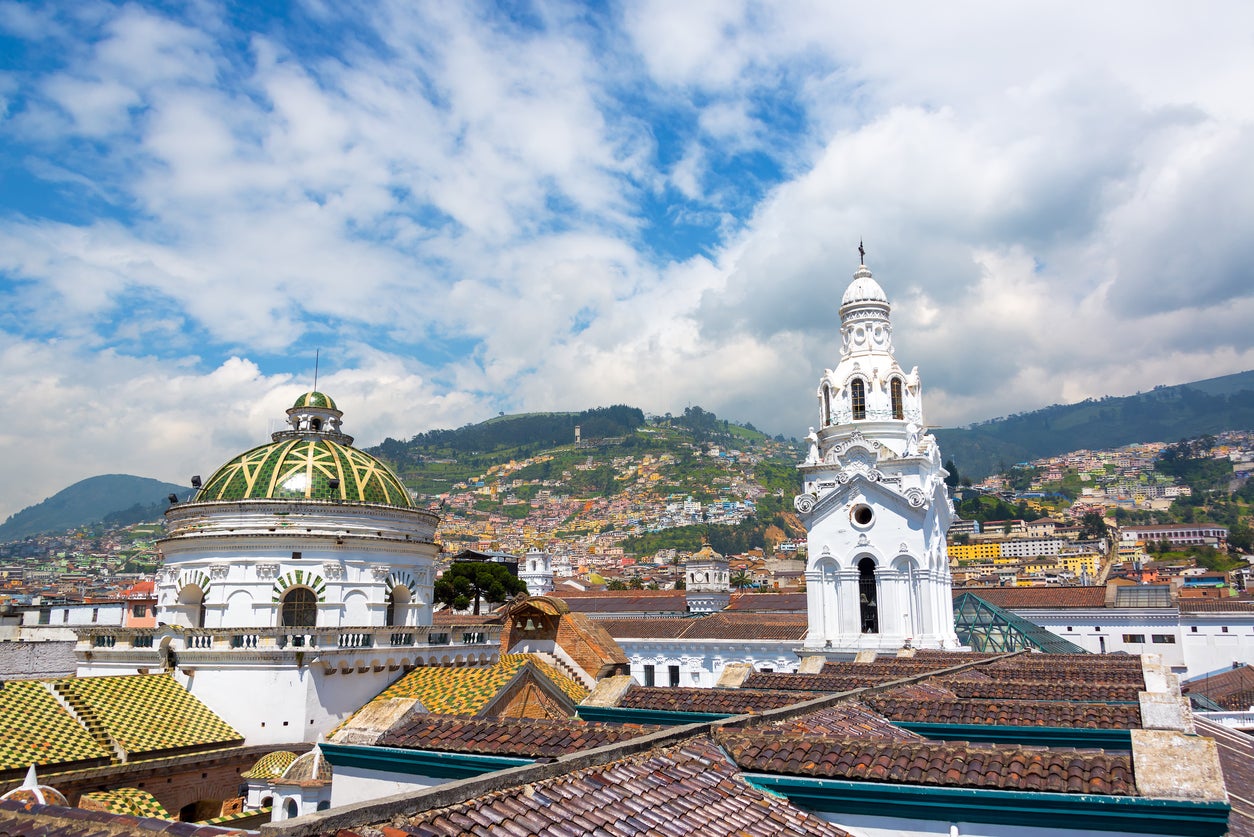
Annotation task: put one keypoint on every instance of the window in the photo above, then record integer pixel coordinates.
(826, 406)
(649, 677)
(299, 608)
(867, 604)
(673, 672)
(1193, 629)
(1164, 639)
(139, 611)
(1224, 629)
(857, 398)
(895, 388)
(45, 617)
(1134, 638)
(95, 614)
(1101, 642)
(1069, 629)
(289, 808)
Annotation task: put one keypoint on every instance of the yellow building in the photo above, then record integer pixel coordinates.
(975, 551)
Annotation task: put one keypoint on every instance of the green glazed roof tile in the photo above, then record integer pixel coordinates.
(36, 729)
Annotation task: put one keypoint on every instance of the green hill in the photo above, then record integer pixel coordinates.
(120, 497)
(1164, 414)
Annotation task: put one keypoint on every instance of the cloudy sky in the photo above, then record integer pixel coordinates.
(473, 208)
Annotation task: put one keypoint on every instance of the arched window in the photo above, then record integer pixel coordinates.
(867, 605)
(899, 411)
(857, 398)
(398, 597)
(289, 809)
(300, 608)
(825, 405)
(324, 804)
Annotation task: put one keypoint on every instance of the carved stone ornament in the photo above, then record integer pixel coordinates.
(915, 498)
(219, 571)
(171, 574)
(803, 503)
(381, 573)
(267, 570)
(863, 540)
(333, 570)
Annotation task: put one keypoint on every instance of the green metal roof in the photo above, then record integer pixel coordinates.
(986, 627)
(302, 469)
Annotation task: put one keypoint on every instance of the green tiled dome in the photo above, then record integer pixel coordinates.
(315, 399)
(302, 469)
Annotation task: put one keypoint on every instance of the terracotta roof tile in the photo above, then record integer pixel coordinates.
(1030, 597)
(524, 738)
(1058, 690)
(951, 764)
(725, 701)
(769, 602)
(1236, 760)
(683, 790)
(777, 627)
(849, 719)
(900, 708)
(1232, 689)
(1215, 605)
(630, 601)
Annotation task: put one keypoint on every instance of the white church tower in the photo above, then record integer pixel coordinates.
(874, 501)
(537, 572)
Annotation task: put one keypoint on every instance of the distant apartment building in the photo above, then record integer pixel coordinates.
(1179, 534)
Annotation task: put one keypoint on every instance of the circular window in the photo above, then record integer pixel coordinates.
(862, 515)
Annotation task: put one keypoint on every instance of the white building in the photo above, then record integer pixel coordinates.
(537, 572)
(874, 500)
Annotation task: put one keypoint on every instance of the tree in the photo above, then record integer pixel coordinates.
(477, 580)
(740, 580)
(616, 584)
(1092, 526)
(952, 479)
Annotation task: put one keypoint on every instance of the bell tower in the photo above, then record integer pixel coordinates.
(874, 502)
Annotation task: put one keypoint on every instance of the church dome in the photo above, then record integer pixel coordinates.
(270, 765)
(313, 460)
(31, 792)
(315, 399)
(309, 768)
(863, 288)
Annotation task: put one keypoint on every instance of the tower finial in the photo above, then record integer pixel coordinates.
(317, 357)
(861, 254)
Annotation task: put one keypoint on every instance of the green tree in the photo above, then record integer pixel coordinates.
(616, 584)
(467, 581)
(953, 479)
(740, 580)
(1092, 526)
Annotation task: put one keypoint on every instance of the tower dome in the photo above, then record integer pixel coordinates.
(31, 792)
(863, 288)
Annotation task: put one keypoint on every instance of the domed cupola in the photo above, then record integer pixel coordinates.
(313, 459)
(864, 316)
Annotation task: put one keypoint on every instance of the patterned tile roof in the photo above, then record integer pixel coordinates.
(725, 701)
(849, 719)
(134, 801)
(269, 765)
(35, 729)
(1015, 713)
(529, 738)
(147, 713)
(1039, 597)
(33, 819)
(682, 790)
(952, 764)
(465, 690)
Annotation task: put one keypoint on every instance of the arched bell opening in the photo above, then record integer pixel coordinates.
(868, 599)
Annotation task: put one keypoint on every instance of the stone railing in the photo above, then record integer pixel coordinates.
(191, 641)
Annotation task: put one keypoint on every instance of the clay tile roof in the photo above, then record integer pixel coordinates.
(1232, 689)
(134, 801)
(1188, 605)
(812, 682)
(951, 764)
(687, 789)
(749, 626)
(1057, 690)
(529, 738)
(723, 701)
(269, 765)
(849, 719)
(771, 602)
(1236, 761)
(905, 709)
(664, 627)
(627, 601)
(1047, 597)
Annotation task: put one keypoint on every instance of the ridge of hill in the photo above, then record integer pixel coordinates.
(118, 498)
(1164, 414)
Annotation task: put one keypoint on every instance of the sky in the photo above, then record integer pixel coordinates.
(469, 208)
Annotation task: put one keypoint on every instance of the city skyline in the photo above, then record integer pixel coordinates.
(477, 209)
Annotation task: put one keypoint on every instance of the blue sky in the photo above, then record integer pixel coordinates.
(472, 208)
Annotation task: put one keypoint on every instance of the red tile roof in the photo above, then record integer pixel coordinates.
(724, 701)
(513, 737)
(33, 819)
(688, 789)
(951, 764)
(778, 627)
(1059, 690)
(630, 601)
(1039, 597)
(1236, 761)
(769, 602)
(849, 719)
(1015, 713)
(1228, 605)
(1232, 689)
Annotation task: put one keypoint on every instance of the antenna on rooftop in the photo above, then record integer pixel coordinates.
(317, 357)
